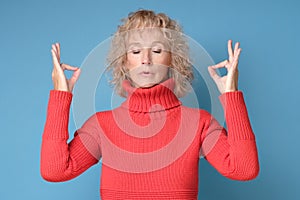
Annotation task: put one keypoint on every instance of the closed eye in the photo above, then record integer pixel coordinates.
(135, 51)
(157, 50)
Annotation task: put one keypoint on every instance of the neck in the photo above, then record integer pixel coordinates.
(153, 99)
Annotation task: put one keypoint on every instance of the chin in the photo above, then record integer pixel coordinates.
(148, 85)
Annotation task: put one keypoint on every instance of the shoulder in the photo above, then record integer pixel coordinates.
(101, 114)
(96, 118)
(198, 116)
(197, 111)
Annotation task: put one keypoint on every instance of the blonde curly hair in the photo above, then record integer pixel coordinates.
(182, 72)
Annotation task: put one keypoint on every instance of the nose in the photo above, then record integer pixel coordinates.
(146, 56)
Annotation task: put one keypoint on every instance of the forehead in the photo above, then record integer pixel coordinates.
(146, 37)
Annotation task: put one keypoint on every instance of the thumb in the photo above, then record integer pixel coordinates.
(212, 72)
(74, 78)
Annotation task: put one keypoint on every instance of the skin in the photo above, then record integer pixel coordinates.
(147, 58)
(226, 83)
(59, 79)
(229, 82)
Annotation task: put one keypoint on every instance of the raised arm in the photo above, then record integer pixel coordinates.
(59, 79)
(60, 160)
(233, 152)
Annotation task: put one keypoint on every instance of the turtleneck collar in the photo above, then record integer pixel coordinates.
(156, 98)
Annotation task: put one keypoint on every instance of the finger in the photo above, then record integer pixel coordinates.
(236, 47)
(237, 54)
(236, 58)
(54, 48)
(74, 78)
(58, 47)
(230, 52)
(75, 75)
(68, 67)
(213, 73)
(54, 59)
(58, 51)
(220, 65)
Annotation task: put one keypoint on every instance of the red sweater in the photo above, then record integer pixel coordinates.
(150, 146)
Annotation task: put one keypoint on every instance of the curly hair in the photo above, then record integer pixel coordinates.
(182, 72)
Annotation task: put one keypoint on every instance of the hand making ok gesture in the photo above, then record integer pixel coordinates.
(229, 82)
(59, 79)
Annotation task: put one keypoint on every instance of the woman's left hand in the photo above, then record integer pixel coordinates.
(229, 82)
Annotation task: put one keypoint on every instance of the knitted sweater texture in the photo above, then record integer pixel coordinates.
(150, 145)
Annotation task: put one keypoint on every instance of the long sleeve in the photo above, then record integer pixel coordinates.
(60, 160)
(234, 152)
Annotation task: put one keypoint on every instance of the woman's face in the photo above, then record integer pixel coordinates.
(148, 57)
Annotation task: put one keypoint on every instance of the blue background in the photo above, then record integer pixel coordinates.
(269, 77)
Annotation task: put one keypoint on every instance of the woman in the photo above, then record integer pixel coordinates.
(150, 145)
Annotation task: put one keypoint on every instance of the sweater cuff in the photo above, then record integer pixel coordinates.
(231, 98)
(236, 116)
(57, 121)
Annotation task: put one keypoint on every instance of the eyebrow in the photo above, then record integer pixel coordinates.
(134, 44)
(139, 44)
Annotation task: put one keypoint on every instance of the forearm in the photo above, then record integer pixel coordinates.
(236, 116)
(235, 153)
(235, 160)
(61, 161)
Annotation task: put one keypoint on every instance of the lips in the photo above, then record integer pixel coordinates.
(146, 73)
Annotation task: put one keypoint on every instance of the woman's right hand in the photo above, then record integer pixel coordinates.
(59, 79)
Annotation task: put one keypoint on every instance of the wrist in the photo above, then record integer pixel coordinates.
(61, 87)
(230, 90)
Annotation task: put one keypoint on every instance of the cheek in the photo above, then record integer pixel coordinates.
(165, 59)
(131, 61)
(163, 72)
